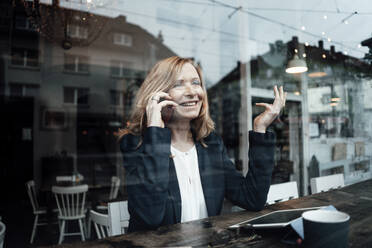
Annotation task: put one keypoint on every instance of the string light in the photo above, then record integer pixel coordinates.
(304, 55)
(306, 43)
(325, 17)
(323, 33)
(296, 51)
(324, 56)
(346, 22)
(303, 28)
(329, 39)
(359, 45)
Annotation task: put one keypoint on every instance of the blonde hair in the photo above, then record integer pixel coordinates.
(162, 77)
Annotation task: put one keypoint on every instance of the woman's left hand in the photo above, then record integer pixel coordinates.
(271, 112)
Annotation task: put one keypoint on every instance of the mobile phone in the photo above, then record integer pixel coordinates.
(166, 112)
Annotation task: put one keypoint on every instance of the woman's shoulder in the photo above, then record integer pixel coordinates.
(129, 142)
(212, 139)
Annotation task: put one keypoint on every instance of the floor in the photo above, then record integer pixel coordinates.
(18, 218)
(19, 227)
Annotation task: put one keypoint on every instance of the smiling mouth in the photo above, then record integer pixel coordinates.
(189, 104)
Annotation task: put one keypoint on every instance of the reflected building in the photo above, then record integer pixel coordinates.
(65, 94)
(337, 110)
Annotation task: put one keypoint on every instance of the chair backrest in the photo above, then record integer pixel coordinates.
(325, 183)
(2, 234)
(101, 224)
(30, 185)
(118, 217)
(115, 184)
(70, 200)
(282, 192)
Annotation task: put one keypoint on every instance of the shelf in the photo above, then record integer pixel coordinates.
(358, 178)
(337, 163)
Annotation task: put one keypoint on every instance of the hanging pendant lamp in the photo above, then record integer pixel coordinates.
(296, 65)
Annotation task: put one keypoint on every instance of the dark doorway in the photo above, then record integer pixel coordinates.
(16, 147)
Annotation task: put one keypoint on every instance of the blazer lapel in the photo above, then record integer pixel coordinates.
(174, 190)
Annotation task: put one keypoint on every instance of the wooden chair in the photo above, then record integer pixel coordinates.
(325, 183)
(37, 210)
(101, 224)
(282, 192)
(118, 217)
(71, 206)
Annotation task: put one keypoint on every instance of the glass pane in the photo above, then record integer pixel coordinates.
(69, 95)
(69, 62)
(83, 65)
(15, 90)
(18, 56)
(84, 85)
(32, 58)
(83, 96)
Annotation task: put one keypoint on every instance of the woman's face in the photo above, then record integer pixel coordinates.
(188, 93)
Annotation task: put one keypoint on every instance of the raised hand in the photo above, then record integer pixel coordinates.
(271, 112)
(154, 109)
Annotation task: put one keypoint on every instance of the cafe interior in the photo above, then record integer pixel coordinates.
(69, 74)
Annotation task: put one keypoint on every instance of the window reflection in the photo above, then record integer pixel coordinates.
(69, 72)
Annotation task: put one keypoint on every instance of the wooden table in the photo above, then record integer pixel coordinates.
(356, 200)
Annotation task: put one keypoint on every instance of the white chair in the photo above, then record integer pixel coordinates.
(37, 210)
(101, 224)
(114, 190)
(71, 206)
(325, 183)
(118, 217)
(2, 234)
(282, 192)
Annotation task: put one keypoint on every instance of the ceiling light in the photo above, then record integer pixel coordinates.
(296, 65)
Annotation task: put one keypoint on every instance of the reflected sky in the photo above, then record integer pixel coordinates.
(209, 31)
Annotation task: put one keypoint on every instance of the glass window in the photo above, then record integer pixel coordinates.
(25, 57)
(78, 32)
(116, 98)
(77, 96)
(69, 95)
(72, 82)
(123, 39)
(76, 63)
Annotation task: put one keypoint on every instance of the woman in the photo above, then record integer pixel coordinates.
(177, 169)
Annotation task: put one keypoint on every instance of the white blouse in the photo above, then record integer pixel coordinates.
(192, 196)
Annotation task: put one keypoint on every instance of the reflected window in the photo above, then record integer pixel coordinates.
(116, 98)
(77, 32)
(22, 23)
(123, 39)
(25, 57)
(24, 90)
(76, 63)
(121, 68)
(77, 96)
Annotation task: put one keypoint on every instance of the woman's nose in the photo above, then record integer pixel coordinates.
(189, 90)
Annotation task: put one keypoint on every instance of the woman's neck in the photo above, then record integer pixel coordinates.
(181, 135)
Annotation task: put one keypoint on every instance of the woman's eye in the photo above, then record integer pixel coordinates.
(196, 82)
(176, 84)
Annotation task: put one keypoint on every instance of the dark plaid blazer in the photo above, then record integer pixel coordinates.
(150, 177)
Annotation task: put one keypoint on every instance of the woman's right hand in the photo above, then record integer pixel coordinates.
(154, 108)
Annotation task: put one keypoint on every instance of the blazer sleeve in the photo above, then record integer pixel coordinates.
(147, 175)
(250, 192)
